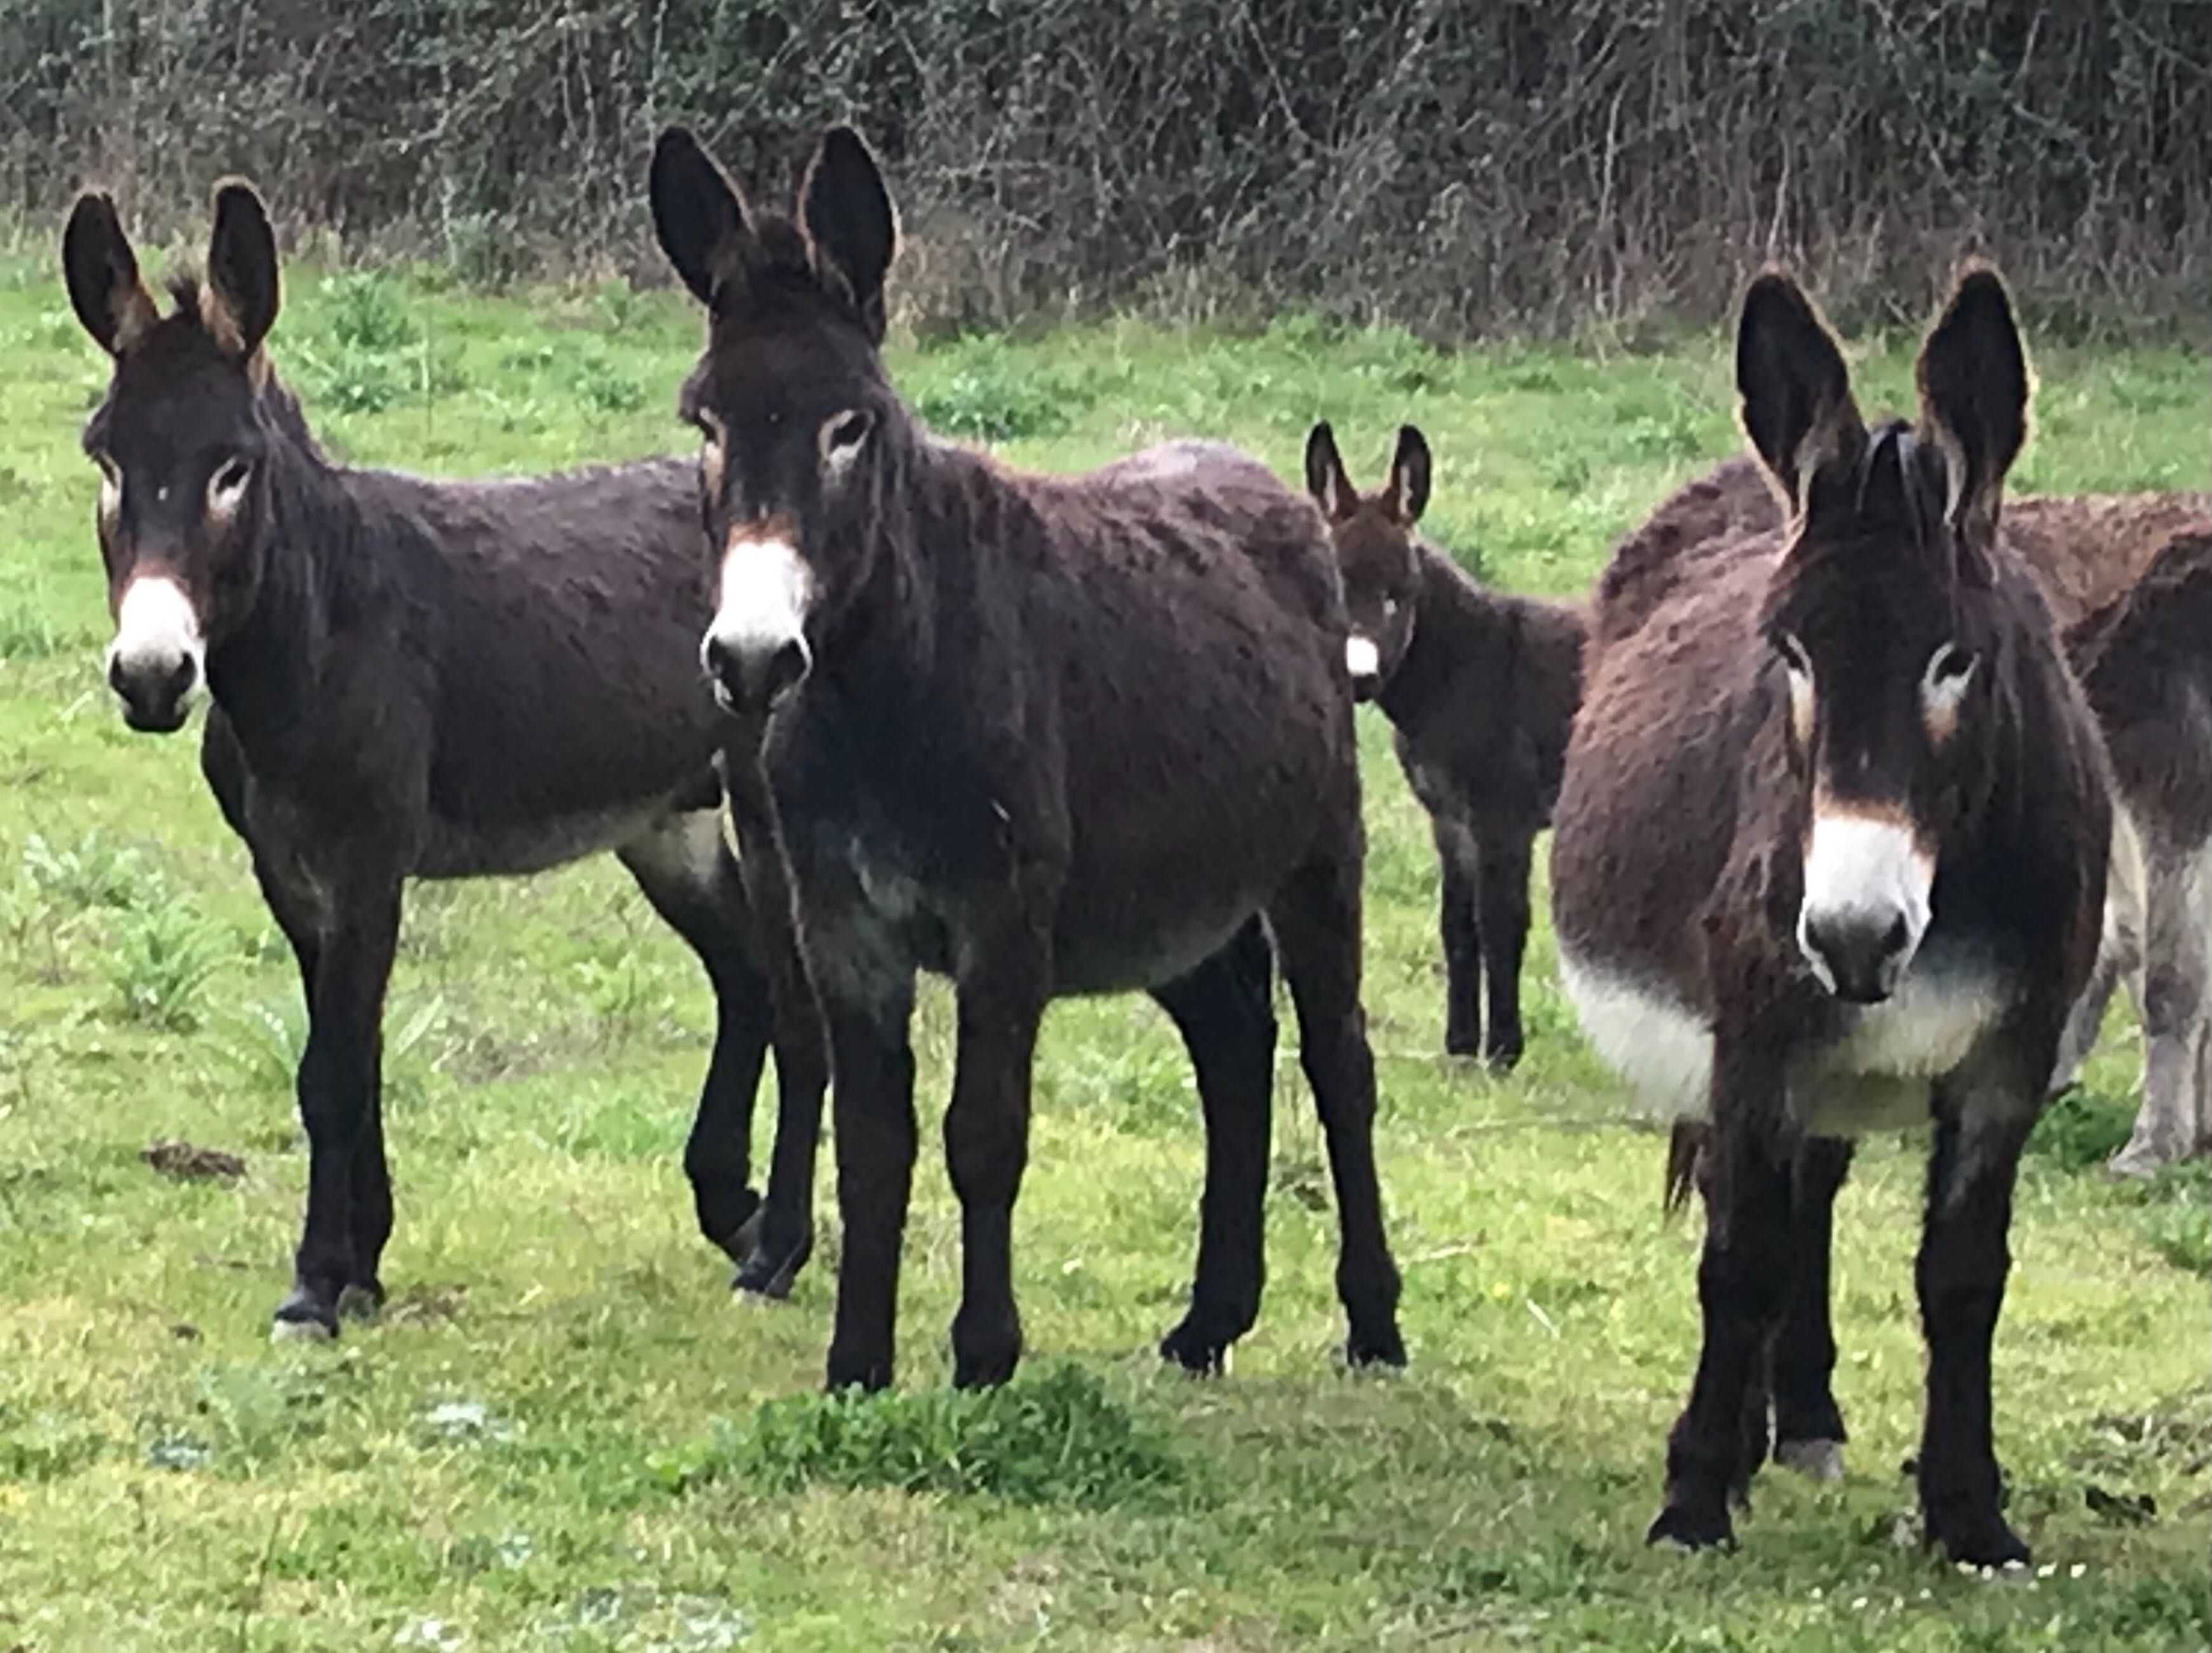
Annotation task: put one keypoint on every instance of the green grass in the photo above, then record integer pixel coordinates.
(565, 1436)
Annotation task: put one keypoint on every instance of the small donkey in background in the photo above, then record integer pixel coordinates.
(1482, 689)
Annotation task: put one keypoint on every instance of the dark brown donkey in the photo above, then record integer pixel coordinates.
(1045, 736)
(2146, 663)
(410, 678)
(1482, 689)
(2087, 552)
(1830, 857)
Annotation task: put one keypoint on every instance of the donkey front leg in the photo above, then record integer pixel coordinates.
(987, 1140)
(1808, 1425)
(349, 1214)
(1744, 1278)
(1961, 1272)
(873, 1102)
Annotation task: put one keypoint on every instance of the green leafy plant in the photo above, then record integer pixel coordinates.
(1056, 1438)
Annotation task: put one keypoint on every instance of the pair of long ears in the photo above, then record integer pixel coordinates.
(1974, 384)
(1404, 497)
(851, 227)
(238, 300)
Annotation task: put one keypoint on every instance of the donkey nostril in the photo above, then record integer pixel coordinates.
(1894, 937)
(788, 667)
(715, 655)
(116, 675)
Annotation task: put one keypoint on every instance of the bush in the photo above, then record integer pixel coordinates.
(1455, 168)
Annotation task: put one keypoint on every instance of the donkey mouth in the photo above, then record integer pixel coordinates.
(162, 720)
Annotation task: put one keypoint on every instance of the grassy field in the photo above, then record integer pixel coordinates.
(563, 1435)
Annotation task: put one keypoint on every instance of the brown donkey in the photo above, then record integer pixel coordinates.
(1829, 858)
(2088, 551)
(1482, 689)
(2146, 663)
(410, 679)
(1043, 735)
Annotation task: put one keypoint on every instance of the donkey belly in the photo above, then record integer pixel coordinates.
(469, 849)
(1092, 956)
(1643, 1030)
(1872, 1074)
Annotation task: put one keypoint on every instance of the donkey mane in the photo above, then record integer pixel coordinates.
(776, 259)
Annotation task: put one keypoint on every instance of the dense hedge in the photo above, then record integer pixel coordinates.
(1456, 167)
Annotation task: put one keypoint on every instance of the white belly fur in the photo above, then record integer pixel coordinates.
(1874, 1079)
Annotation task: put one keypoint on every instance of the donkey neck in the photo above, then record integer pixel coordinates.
(267, 674)
(1454, 619)
(918, 681)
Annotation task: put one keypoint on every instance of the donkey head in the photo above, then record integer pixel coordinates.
(179, 440)
(1373, 537)
(1880, 610)
(794, 409)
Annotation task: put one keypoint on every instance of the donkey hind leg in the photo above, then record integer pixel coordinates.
(1458, 926)
(1503, 882)
(1224, 1011)
(2203, 1139)
(1961, 1275)
(686, 871)
(2177, 974)
(1317, 920)
(1809, 1425)
(340, 1084)
(1743, 1283)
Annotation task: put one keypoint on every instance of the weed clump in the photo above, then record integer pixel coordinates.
(1062, 1439)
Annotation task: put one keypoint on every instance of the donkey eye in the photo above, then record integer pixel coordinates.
(843, 432)
(230, 476)
(1793, 655)
(1943, 691)
(1949, 667)
(108, 468)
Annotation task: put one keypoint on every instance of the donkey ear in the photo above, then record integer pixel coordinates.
(1409, 477)
(1974, 390)
(101, 272)
(850, 219)
(242, 292)
(1325, 477)
(1797, 406)
(696, 212)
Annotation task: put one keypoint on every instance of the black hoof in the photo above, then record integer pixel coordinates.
(767, 1271)
(1378, 1345)
(361, 1301)
(301, 1318)
(1502, 1060)
(1200, 1352)
(1462, 1044)
(1683, 1527)
(738, 1235)
(1985, 1541)
(986, 1351)
(870, 1373)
